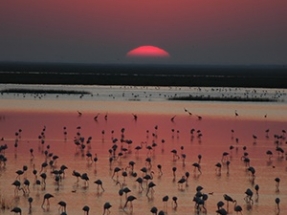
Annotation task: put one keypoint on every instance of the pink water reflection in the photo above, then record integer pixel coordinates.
(218, 133)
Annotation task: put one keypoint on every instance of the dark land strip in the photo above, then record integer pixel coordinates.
(144, 75)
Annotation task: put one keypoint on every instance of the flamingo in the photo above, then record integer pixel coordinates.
(277, 180)
(248, 197)
(140, 181)
(19, 173)
(221, 211)
(173, 172)
(159, 169)
(17, 185)
(174, 202)
(47, 196)
(252, 170)
(237, 208)
(220, 205)
(30, 200)
(181, 182)
(26, 184)
(165, 200)
(130, 199)
(85, 177)
(218, 167)
(126, 190)
(199, 158)
(63, 206)
(148, 177)
(269, 153)
(197, 166)
(153, 210)
(77, 175)
(228, 199)
(116, 170)
(100, 184)
(17, 210)
(277, 201)
(150, 187)
(107, 207)
(86, 209)
(187, 174)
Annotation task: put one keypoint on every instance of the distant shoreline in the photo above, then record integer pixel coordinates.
(144, 75)
(175, 98)
(222, 99)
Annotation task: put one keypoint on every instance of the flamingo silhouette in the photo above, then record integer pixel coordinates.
(181, 182)
(220, 204)
(165, 200)
(107, 207)
(228, 199)
(17, 185)
(221, 211)
(30, 200)
(197, 166)
(86, 209)
(130, 200)
(17, 210)
(77, 175)
(63, 206)
(85, 177)
(153, 210)
(218, 168)
(99, 183)
(237, 208)
(174, 202)
(140, 181)
(277, 180)
(277, 201)
(151, 185)
(248, 197)
(47, 196)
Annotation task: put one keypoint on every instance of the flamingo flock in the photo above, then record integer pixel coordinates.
(154, 172)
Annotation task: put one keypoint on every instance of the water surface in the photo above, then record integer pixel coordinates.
(218, 129)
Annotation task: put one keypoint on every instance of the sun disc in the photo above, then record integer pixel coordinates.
(148, 52)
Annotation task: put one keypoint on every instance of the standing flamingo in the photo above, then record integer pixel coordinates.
(47, 196)
(86, 210)
(165, 200)
(277, 180)
(174, 202)
(277, 201)
(228, 199)
(85, 177)
(181, 182)
(248, 197)
(17, 210)
(62, 205)
(153, 210)
(30, 200)
(140, 181)
(100, 184)
(107, 207)
(197, 166)
(130, 199)
(150, 187)
(237, 208)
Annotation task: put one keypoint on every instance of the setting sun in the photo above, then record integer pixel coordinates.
(148, 51)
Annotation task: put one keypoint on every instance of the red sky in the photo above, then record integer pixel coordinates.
(103, 31)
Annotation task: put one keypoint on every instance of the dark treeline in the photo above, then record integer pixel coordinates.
(43, 91)
(144, 75)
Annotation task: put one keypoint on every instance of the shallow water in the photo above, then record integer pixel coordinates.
(218, 119)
